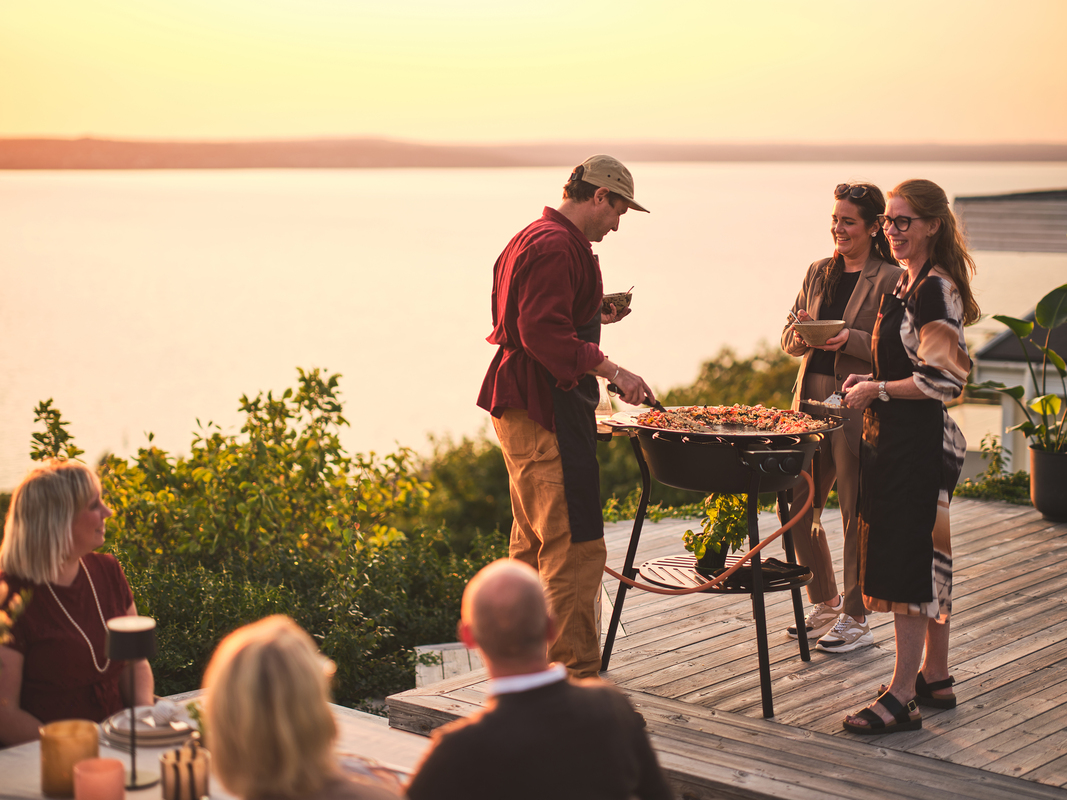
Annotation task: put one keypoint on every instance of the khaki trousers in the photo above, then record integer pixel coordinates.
(837, 463)
(571, 572)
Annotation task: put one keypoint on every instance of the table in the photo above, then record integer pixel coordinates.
(358, 734)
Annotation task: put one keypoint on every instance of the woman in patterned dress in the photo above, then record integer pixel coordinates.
(912, 451)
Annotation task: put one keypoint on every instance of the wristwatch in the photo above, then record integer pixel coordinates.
(883, 395)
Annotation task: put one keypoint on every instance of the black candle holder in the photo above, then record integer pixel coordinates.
(133, 639)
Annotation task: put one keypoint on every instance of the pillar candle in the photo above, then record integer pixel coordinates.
(99, 779)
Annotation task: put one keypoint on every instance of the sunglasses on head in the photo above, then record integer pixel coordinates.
(848, 190)
(902, 223)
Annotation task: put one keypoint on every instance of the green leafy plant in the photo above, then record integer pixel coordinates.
(996, 483)
(55, 440)
(725, 523)
(1044, 423)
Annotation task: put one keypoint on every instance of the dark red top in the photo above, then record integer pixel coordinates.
(546, 284)
(59, 680)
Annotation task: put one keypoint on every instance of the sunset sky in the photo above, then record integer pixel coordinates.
(511, 71)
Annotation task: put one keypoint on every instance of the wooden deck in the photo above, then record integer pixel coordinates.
(689, 664)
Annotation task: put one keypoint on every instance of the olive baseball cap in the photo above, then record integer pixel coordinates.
(608, 173)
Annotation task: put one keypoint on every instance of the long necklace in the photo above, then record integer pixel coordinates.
(92, 652)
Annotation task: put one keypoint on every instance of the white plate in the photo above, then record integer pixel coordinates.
(120, 724)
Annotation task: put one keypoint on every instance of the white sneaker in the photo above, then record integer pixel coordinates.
(845, 636)
(820, 620)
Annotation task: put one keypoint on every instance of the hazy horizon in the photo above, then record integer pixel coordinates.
(480, 72)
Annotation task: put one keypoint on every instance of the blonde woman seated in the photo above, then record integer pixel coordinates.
(268, 721)
(56, 664)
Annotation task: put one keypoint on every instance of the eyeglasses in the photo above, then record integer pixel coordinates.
(902, 223)
(848, 190)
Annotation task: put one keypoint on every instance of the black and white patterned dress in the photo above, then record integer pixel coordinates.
(912, 451)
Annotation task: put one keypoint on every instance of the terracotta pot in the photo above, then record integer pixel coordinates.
(1048, 484)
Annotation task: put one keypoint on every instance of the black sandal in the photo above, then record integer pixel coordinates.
(924, 692)
(903, 719)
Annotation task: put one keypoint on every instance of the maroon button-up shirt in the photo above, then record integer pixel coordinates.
(546, 284)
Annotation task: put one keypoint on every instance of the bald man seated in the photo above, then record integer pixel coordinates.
(542, 735)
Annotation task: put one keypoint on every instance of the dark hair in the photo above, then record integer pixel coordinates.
(870, 204)
(949, 248)
(579, 191)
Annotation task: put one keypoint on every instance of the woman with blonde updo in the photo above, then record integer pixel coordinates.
(268, 720)
(847, 286)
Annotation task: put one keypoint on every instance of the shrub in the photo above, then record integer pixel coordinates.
(470, 488)
(996, 483)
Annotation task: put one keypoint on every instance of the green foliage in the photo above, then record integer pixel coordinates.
(470, 488)
(616, 510)
(996, 483)
(11, 609)
(55, 441)
(284, 485)
(725, 522)
(367, 608)
(1045, 421)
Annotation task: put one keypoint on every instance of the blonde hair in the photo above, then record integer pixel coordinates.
(267, 715)
(37, 531)
(949, 248)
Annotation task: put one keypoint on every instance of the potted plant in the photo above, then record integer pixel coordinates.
(1044, 415)
(724, 529)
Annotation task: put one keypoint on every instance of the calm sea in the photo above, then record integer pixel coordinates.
(143, 301)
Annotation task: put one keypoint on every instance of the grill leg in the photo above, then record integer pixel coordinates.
(631, 553)
(759, 611)
(791, 557)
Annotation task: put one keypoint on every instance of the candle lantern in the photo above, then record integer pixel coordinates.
(133, 639)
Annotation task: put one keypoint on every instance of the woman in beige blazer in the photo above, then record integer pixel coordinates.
(849, 285)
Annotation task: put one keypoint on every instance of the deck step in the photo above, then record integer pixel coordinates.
(716, 754)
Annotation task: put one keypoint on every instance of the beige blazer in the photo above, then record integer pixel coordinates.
(876, 278)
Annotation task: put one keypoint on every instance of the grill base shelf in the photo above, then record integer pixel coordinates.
(679, 572)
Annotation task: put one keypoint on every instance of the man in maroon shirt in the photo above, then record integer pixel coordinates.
(541, 390)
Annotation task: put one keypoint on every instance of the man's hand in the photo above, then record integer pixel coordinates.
(633, 389)
(608, 317)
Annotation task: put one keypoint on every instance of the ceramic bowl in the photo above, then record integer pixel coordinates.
(816, 332)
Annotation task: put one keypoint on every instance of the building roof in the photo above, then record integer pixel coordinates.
(1005, 347)
(1021, 222)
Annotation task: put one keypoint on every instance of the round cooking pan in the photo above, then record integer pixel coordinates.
(712, 462)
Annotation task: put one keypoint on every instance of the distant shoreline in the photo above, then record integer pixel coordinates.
(91, 153)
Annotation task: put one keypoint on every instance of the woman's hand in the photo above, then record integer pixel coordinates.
(803, 316)
(16, 726)
(860, 394)
(852, 380)
(834, 343)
